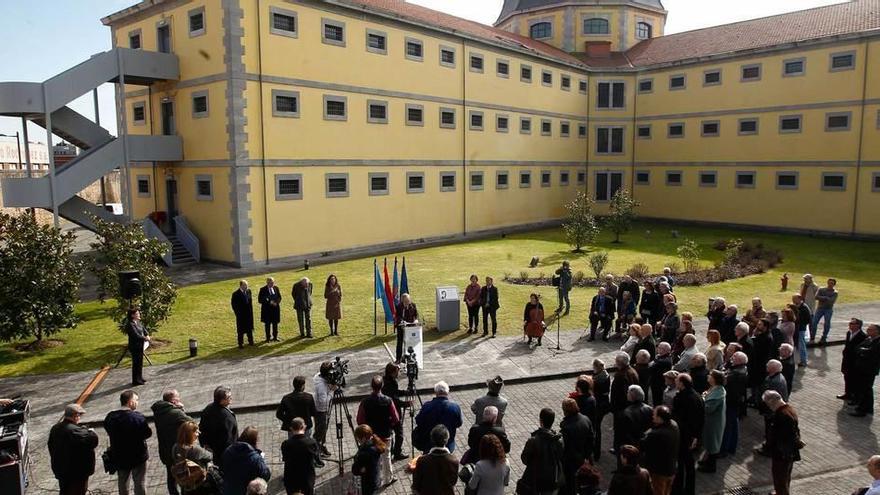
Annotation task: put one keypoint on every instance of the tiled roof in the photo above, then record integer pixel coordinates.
(423, 15)
(512, 6)
(822, 22)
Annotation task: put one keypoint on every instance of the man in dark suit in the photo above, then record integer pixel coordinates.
(689, 413)
(243, 307)
(302, 303)
(218, 424)
(297, 404)
(137, 335)
(72, 452)
(300, 455)
(270, 308)
(489, 302)
(854, 338)
(866, 369)
(601, 312)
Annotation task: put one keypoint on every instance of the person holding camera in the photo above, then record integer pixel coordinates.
(406, 313)
(72, 452)
(137, 336)
(391, 389)
(324, 389)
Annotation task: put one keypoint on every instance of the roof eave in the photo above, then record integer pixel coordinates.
(127, 12)
(648, 8)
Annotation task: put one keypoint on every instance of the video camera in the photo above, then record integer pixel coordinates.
(336, 374)
(412, 364)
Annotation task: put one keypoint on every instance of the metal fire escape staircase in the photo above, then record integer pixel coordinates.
(45, 104)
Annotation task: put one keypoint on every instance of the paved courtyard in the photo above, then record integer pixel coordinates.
(837, 443)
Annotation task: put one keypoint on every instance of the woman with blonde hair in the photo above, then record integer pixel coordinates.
(715, 351)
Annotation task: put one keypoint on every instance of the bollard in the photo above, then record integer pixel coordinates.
(193, 347)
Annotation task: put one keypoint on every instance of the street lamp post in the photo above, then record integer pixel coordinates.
(18, 142)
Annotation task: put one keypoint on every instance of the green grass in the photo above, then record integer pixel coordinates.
(203, 311)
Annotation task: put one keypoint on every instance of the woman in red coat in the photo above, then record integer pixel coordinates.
(533, 319)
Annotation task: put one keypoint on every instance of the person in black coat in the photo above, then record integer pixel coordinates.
(854, 338)
(405, 313)
(651, 305)
(269, 298)
(716, 313)
(218, 425)
(490, 303)
(601, 313)
(699, 373)
(72, 452)
(168, 415)
(300, 455)
(657, 445)
(297, 404)
(542, 456)
(302, 303)
(661, 364)
(727, 328)
(689, 413)
(137, 336)
(631, 286)
(635, 419)
(128, 431)
(478, 431)
(391, 389)
(243, 307)
(602, 393)
(762, 352)
(577, 440)
(867, 367)
(736, 384)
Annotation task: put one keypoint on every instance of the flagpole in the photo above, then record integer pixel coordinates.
(386, 292)
(375, 308)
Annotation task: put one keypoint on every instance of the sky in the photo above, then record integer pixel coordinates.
(40, 42)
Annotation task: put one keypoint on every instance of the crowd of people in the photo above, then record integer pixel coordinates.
(670, 391)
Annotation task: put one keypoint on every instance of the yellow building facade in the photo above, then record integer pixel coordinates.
(314, 127)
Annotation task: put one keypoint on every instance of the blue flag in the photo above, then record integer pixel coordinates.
(404, 283)
(381, 294)
(394, 288)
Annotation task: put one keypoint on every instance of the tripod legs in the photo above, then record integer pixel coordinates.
(338, 408)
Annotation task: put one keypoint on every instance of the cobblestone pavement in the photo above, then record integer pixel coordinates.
(837, 444)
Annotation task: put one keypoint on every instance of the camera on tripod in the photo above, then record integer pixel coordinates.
(412, 364)
(336, 373)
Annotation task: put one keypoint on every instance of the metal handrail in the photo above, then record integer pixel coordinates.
(186, 237)
(154, 232)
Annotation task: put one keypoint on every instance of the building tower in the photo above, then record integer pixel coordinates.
(573, 25)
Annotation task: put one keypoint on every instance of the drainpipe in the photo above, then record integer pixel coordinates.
(465, 67)
(155, 174)
(632, 175)
(587, 162)
(27, 155)
(861, 137)
(98, 123)
(263, 129)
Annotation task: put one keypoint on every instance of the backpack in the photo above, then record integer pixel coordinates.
(188, 474)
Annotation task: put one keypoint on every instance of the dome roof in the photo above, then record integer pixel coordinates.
(513, 6)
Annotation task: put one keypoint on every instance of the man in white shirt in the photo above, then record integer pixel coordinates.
(690, 348)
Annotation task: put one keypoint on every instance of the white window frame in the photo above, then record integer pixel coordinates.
(800, 128)
(448, 49)
(803, 71)
(334, 23)
(336, 194)
(287, 94)
(703, 132)
(335, 99)
(506, 175)
(611, 129)
(583, 86)
(522, 77)
(645, 80)
(608, 193)
(713, 71)
(498, 127)
(273, 11)
(476, 113)
(476, 187)
(833, 188)
(210, 180)
(414, 123)
(287, 197)
(549, 175)
(563, 79)
(378, 34)
(851, 53)
(742, 72)
(611, 93)
(524, 174)
(378, 192)
(189, 16)
(415, 190)
(683, 84)
(795, 174)
(192, 100)
(448, 173)
(498, 63)
(669, 127)
(143, 179)
(564, 128)
(476, 56)
(544, 74)
(415, 42)
(739, 123)
(830, 115)
(376, 103)
(548, 125)
(745, 173)
(522, 129)
(443, 110)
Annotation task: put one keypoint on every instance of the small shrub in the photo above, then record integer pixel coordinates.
(506, 275)
(541, 276)
(689, 253)
(639, 271)
(598, 262)
(578, 277)
(524, 275)
(674, 266)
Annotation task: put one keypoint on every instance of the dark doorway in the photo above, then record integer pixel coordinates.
(163, 35)
(168, 118)
(171, 193)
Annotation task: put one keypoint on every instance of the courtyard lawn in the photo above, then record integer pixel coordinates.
(203, 311)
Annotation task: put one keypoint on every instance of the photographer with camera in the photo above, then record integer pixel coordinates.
(324, 388)
(391, 389)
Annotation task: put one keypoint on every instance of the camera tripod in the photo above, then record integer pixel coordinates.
(409, 398)
(338, 408)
